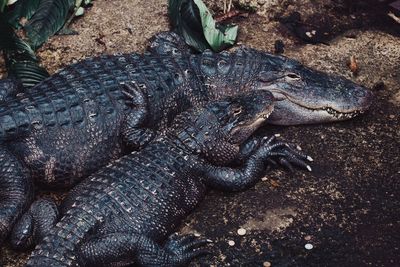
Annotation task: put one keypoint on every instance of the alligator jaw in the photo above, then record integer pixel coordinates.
(291, 111)
(244, 131)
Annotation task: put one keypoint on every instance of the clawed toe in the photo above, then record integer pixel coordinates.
(284, 154)
(186, 248)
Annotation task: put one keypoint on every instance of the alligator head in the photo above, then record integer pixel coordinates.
(217, 130)
(305, 96)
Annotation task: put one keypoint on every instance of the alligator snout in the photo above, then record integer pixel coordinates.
(365, 97)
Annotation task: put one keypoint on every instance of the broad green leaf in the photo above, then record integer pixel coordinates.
(194, 22)
(28, 72)
(3, 4)
(48, 19)
(217, 39)
(22, 9)
(21, 62)
(185, 20)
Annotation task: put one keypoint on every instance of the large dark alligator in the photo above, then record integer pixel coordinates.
(78, 120)
(124, 213)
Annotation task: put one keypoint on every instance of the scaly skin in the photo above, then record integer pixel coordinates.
(124, 213)
(78, 120)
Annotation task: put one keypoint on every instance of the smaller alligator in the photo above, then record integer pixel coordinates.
(126, 212)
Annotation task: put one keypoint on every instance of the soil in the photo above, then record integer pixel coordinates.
(346, 212)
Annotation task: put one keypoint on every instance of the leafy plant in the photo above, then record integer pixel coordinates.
(20, 59)
(39, 19)
(193, 20)
(21, 9)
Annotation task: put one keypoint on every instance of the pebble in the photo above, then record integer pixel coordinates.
(264, 179)
(309, 246)
(307, 238)
(266, 264)
(241, 231)
(261, 2)
(392, 116)
(231, 243)
(197, 235)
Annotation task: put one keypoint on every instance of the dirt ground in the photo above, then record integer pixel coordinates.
(346, 212)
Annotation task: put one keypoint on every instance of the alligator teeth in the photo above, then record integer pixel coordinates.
(341, 115)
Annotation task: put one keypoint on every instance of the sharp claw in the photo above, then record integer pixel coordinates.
(310, 158)
(195, 244)
(309, 168)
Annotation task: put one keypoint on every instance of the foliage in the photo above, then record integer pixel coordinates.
(39, 19)
(193, 20)
(21, 61)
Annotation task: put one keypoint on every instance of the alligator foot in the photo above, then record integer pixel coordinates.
(34, 224)
(134, 131)
(285, 155)
(185, 248)
(124, 248)
(255, 155)
(9, 88)
(16, 191)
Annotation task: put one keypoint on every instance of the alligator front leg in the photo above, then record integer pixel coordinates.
(34, 224)
(289, 155)
(124, 248)
(16, 191)
(9, 88)
(134, 130)
(253, 168)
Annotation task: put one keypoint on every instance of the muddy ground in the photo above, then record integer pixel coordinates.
(348, 207)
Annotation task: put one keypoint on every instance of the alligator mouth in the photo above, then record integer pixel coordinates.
(244, 131)
(342, 115)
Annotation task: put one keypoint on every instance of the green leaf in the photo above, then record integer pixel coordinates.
(3, 4)
(22, 9)
(185, 19)
(20, 59)
(48, 19)
(28, 72)
(79, 11)
(193, 20)
(217, 39)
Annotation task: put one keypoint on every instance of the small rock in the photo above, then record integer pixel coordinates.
(307, 238)
(261, 2)
(266, 264)
(231, 243)
(392, 116)
(379, 86)
(241, 231)
(279, 47)
(309, 246)
(197, 235)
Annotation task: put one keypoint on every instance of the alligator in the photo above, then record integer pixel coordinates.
(126, 212)
(79, 119)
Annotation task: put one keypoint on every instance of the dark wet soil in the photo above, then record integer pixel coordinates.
(348, 207)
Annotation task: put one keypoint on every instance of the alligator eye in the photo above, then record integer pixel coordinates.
(236, 111)
(293, 76)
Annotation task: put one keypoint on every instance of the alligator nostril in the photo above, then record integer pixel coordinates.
(293, 76)
(361, 92)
